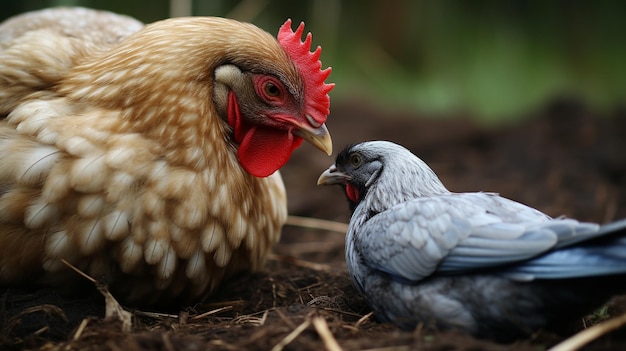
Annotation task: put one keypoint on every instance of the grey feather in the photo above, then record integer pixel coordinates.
(472, 261)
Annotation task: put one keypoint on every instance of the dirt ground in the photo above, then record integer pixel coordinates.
(564, 160)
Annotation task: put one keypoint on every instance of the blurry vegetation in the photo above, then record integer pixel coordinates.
(492, 59)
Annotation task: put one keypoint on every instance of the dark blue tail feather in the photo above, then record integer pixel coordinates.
(604, 254)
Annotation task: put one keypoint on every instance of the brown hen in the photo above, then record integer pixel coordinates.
(147, 156)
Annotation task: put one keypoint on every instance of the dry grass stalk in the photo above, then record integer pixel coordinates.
(315, 223)
(586, 336)
(233, 303)
(85, 275)
(310, 247)
(363, 319)
(301, 263)
(41, 330)
(167, 343)
(284, 318)
(81, 328)
(206, 314)
(347, 313)
(391, 348)
(223, 344)
(324, 332)
(292, 336)
(112, 346)
(113, 309)
(45, 308)
(250, 319)
(155, 315)
(257, 335)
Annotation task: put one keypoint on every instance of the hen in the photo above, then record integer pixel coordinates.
(147, 156)
(471, 261)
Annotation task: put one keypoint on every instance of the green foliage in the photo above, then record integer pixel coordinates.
(493, 59)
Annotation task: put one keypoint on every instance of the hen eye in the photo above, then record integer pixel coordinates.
(271, 89)
(355, 160)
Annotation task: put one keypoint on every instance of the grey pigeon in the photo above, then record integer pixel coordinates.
(475, 262)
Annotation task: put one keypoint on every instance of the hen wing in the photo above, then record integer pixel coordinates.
(53, 40)
(76, 184)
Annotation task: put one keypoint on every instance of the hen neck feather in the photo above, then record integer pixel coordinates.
(161, 81)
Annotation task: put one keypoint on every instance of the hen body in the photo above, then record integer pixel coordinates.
(476, 262)
(118, 151)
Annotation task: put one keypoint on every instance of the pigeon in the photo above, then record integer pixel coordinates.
(474, 262)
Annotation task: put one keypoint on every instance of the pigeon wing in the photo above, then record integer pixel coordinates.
(459, 233)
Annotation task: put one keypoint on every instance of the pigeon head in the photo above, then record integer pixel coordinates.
(381, 173)
(356, 169)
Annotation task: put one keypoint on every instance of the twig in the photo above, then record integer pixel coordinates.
(347, 313)
(327, 337)
(112, 309)
(249, 320)
(292, 336)
(259, 334)
(223, 344)
(226, 303)
(363, 319)
(311, 247)
(273, 292)
(206, 314)
(167, 342)
(81, 328)
(41, 330)
(264, 318)
(155, 315)
(72, 267)
(301, 263)
(390, 348)
(316, 223)
(112, 346)
(584, 337)
(47, 309)
(284, 318)
(350, 328)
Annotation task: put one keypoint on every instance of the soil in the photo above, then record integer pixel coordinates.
(563, 159)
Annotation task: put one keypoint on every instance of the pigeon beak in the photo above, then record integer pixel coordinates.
(332, 176)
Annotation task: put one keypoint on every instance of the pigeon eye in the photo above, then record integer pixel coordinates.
(355, 160)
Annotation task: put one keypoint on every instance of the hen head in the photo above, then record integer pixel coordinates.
(173, 76)
(272, 110)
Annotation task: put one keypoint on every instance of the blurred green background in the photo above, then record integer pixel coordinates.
(494, 60)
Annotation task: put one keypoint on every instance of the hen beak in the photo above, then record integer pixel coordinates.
(319, 137)
(332, 176)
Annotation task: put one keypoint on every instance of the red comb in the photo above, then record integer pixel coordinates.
(310, 69)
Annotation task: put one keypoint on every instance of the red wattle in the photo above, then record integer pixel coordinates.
(262, 150)
(352, 192)
(234, 117)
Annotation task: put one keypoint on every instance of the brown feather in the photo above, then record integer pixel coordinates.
(114, 158)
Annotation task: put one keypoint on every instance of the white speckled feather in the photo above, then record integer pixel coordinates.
(118, 156)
